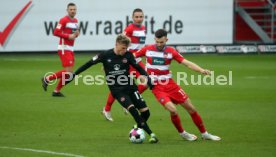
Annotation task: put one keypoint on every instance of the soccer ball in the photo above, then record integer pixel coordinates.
(137, 135)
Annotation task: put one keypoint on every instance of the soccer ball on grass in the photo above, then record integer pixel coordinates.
(137, 135)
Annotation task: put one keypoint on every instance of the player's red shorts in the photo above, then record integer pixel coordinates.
(134, 72)
(67, 58)
(169, 92)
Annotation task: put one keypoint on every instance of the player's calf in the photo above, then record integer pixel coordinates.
(145, 115)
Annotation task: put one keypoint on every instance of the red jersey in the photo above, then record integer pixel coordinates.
(158, 62)
(137, 35)
(65, 27)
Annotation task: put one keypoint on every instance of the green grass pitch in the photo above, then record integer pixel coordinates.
(242, 114)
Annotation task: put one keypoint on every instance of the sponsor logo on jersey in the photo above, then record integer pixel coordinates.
(122, 99)
(142, 40)
(124, 60)
(158, 61)
(116, 67)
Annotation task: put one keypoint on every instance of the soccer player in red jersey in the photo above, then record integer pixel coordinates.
(137, 34)
(67, 31)
(166, 91)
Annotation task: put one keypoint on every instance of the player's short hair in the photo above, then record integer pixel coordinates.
(161, 33)
(70, 4)
(123, 39)
(137, 10)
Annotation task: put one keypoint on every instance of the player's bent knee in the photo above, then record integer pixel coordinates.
(144, 109)
(128, 107)
(192, 110)
(173, 111)
(68, 69)
(189, 107)
(171, 108)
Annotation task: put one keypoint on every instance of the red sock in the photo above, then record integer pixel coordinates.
(60, 83)
(141, 88)
(176, 122)
(56, 75)
(109, 102)
(198, 122)
(59, 86)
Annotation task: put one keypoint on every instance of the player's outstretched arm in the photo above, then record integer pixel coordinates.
(195, 67)
(140, 53)
(79, 70)
(84, 67)
(144, 74)
(141, 71)
(70, 79)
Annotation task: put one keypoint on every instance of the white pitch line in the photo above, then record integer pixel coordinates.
(42, 151)
(28, 60)
(256, 77)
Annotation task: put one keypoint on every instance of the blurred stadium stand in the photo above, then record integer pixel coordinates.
(255, 21)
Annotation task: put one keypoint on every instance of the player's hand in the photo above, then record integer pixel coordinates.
(206, 72)
(150, 83)
(77, 33)
(74, 35)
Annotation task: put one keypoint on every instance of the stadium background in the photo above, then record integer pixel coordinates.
(30, 120)
(34, 30)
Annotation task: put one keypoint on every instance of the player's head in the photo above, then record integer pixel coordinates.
(71, 9)
(122, 43)
(138, 16)
(160, 38)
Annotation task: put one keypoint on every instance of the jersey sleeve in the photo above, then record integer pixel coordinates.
(59, 29)
(142, 71)
(96, 59)
(141, 52)
(128, 31)
(176, 56)
(135, 65)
